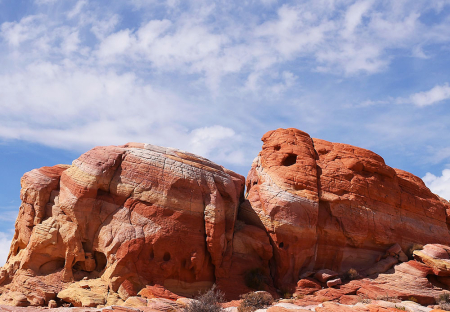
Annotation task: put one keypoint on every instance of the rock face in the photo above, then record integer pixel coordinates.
(335, 206)
(136, 223)
(135, 215)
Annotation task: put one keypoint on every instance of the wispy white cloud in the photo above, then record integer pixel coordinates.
(435, 95)
(197, 69)
(439, 184)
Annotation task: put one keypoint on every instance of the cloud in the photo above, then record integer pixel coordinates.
(41, 2)
(8, 214)
(5, 243)
(172, 73)
(439, 184)
(217, 141)
(435, 95)
(77, 8)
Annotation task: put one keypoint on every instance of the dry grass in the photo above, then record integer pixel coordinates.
(207, 302)
(351, 274)
(254, 301)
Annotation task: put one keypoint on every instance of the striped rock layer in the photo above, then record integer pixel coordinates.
(136, 213)
(335, 206)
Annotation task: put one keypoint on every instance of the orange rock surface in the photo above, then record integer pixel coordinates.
(138, 223)
(336, 206)
(133, 215)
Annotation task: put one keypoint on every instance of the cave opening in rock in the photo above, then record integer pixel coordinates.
(100, 260)
(277, 147)
(290, 160)
(166, 256)
(281, 245)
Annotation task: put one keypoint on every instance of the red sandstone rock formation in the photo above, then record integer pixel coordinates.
(336, 206)
(134, 222)
(134, 215)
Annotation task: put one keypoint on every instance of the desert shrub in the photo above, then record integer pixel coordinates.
(254, 301)
(351, 274)
(411, 250)
(402, 308)
(298, 296)
(286, 292)
(254, 279)
(388, 298)
(413, 299)
(207, 302)
(443, 298)
(444, 306)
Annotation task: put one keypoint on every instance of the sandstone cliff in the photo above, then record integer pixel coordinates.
(141, 219)
(137, 213)
(336, 206)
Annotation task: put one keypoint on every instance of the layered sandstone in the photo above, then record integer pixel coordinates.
(133, 224)
(336, 206)
(132, 215)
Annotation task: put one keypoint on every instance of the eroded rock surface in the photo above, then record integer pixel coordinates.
(132, 215)
(336, 206)
(140, 225)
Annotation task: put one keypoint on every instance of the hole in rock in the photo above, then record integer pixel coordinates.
(166, 256)
(277, 147)
(18, 249)
(152, 255)
(100, 260)
(290, 160)
(52, 266)
(281, 245)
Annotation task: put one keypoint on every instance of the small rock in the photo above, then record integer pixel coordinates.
(394, 250)
(325, 274)
(402, 257)
(52, 304)
(334, 282)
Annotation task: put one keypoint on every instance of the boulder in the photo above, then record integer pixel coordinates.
(157, 291)
(80, 297)
(135, 302)
(336, 206)
(134, 215)
(307, 286)
(436, 257)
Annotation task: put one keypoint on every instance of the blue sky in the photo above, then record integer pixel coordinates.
(211, 77)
